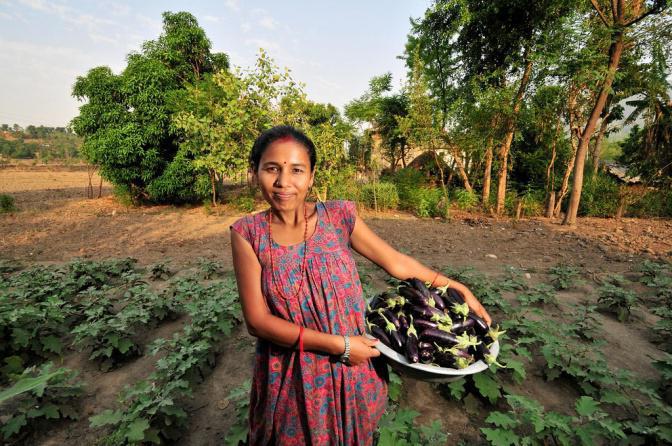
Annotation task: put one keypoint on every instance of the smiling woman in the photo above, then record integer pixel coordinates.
(315, 376)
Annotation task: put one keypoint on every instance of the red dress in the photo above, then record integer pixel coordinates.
(311, 398)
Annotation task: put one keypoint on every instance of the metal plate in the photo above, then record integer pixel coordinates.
(427, 372)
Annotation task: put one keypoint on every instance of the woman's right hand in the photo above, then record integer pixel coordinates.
(361, 349)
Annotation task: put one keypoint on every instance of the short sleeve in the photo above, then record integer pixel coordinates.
(242, 227)
(349, 214)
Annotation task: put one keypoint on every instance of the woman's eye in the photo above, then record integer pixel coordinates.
(298, 170)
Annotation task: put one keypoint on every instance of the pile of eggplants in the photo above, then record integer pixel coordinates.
(430, 325)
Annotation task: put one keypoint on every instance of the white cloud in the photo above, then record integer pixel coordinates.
(211, 18)
(245, 27)
(101, 38)
(268, 22)
(262, 43)
(233, 5)
(68, 14)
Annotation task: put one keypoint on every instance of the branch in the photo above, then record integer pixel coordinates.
(600, 13)
(647, 13)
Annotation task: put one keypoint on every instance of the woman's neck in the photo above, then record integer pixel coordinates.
(292, 217)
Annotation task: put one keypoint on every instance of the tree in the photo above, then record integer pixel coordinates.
(125, 121)
(219, 117)
(620, 20)
(381, 109)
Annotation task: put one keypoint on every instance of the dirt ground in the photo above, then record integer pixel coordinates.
(56, 223)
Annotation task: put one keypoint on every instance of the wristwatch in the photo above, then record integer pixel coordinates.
(345, 357)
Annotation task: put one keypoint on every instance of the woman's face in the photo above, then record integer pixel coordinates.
(284, 174)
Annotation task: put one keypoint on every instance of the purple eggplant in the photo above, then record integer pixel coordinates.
(412, 343)
(455, 296)
(425, 356)
(419, 285)
(438, 300)
(463, 325)
(438, 336)
(480, 326)
(421, 324)
(422, 345)
(444, 359)
(379, 333)
(390, 316)
(414, 296)
(403, 322)
(392, 332)
(428, 313)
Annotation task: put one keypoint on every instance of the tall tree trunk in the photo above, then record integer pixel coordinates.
(615, 51)
(597, 148)
(510, 129)
(460, 169)
(214, 187)
(487, 170)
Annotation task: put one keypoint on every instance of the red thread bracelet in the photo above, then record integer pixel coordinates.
(435, 277)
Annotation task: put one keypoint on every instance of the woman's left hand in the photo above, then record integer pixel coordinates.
(473, 303)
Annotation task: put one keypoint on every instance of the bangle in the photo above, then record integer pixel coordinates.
(301, 339)
(434, 280)
(345, 357)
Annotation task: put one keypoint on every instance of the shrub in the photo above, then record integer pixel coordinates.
(407, 181)
(599, 196)
(428, 202)
(654, 203)
(344, 186)
(6, 203)
(383, 194)
(464, 199)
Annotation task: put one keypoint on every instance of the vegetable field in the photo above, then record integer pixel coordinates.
(121, 326)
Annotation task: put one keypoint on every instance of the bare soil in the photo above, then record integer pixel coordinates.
(56, 223)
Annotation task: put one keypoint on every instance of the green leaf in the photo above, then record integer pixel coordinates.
(586, 406)
(236, 435)
(13, 426)
(50, 411)
(108, 416)
(136, 430)
(487, 386)
(500, 419)
(28, 384)
(394, 387)
(52, 343)
(500, 437)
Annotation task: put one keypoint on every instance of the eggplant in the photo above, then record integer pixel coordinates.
(422, 345)
(455, 296)
(426, 356)
(462, 326)
(480, 326)
(419, 285)
(421, 324)
(403, 322)
(390, 316)
(428, 313)
(414, 296)
(444, 359)
(438, 300)
(438, 336)
(379, 333)
(412, 343)
(396, 342)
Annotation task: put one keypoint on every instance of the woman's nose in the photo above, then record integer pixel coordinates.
(280, 179)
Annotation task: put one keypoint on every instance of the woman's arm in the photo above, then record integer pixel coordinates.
(261, 323)
(401, 266)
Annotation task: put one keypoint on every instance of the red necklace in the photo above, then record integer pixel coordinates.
(303, 262)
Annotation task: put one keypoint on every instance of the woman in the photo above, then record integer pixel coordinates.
(314, 380)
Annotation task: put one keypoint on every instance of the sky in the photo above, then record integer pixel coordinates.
(333, 47)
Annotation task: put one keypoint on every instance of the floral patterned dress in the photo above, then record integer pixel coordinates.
(310, 397)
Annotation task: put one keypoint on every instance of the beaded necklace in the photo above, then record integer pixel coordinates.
(303, 262)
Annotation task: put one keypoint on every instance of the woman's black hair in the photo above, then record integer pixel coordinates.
(271, 135)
